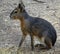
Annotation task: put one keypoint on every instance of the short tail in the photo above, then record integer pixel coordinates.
(53, 37)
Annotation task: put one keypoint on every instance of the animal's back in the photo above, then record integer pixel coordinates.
(40, 27)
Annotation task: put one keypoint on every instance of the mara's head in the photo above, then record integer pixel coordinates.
(17, 12)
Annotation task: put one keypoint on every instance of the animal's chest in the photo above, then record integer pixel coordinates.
(25, 26)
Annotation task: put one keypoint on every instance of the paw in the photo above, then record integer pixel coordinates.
(39, 45)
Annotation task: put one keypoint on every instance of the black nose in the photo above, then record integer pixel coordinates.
(10, 15)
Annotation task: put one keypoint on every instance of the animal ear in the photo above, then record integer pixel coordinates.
(21, 5)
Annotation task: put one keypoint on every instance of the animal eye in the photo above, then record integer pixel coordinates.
(15, 11)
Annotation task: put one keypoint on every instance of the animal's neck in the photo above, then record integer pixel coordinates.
(25, 15)
(22, 22)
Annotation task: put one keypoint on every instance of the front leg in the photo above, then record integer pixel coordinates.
(32, 42)
(23, 38)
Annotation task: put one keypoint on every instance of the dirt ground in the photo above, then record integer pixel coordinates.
(10, 32)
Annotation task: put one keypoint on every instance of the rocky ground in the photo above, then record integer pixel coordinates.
(10, 33)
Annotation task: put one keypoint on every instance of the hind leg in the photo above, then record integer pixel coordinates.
(48, 43)
(43, 47)
(40, 46)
